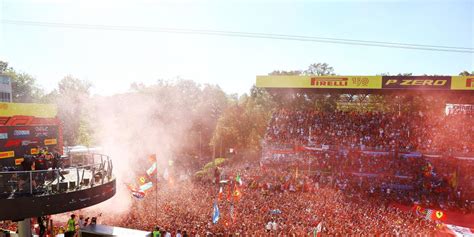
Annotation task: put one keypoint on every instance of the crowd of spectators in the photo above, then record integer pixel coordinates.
(376, 130)
(440, 182)
(272, 200)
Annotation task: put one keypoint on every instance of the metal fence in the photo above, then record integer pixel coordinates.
(14, 184)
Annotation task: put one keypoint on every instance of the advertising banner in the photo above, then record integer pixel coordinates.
(28, 109)
(445, 83)
(462, 83)
(330, 82)
(7, 154)
(416, 82)
(51, 141)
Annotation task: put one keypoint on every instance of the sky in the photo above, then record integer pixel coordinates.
(112, 60)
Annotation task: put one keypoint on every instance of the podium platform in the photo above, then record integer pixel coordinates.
(108, 231)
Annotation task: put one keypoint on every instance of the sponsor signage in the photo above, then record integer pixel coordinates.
(22, 132)
(48, 142)
(360, 82)
(29, 142)
(19, 161)
(416, 82)
(34, 151)
(7, 154)
(368, 82)
(3, 135)
(462, 83)
(41, 131)
(13, 143)
(334, 82)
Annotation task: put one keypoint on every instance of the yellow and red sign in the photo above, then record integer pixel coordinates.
(7, 154)
(446, 83)
(19, 161)
(330, 82)
(462, 83)
(52, 141)
(34, 151)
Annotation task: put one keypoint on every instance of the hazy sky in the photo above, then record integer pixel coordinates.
(112, 60)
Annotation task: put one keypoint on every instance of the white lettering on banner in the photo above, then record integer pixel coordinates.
(4, 135)
(460, 231)
(41, 131)
(21, 132)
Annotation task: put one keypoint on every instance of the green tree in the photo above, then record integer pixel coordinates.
(3, 66)
(466, 73)
(24, 87)
(319, 69)
(285, 73)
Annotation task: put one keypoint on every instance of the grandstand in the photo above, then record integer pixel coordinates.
(408, 156)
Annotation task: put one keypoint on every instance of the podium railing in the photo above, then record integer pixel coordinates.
(15, 184)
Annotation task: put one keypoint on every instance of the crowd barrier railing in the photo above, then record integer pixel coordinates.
(54, 181)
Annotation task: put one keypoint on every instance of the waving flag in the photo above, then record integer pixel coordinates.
(138, 194)
(215, 215)
(142, 180)
(151, 170)
(317, 231)
(146, 186)
(238, 179)
(429, 213)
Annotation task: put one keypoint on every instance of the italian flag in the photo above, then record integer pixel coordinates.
(317, 231)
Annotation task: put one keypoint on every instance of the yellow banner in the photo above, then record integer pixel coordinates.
(19, 161)
(462, 83)
(37, 110)
(329, 82)
(7, 154)
(34, 151)
(48, 142)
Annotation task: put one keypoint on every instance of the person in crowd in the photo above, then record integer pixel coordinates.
(57, 164)
(167, 233)
(156, 232)
(83, 222)
(42, 226)
(71, 227)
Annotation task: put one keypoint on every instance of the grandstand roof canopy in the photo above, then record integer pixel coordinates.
(368, 84)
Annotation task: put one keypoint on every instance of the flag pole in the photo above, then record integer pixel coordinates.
(156, 190)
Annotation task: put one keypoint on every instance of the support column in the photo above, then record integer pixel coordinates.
(24, 228)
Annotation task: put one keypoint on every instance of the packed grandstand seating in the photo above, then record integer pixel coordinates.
(411, 158)
(375, 130)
